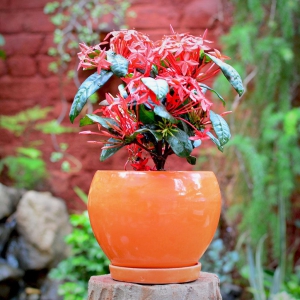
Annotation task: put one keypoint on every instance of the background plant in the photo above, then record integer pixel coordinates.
(78, 21)
(86, 260)
(27, 167)
(265, 38)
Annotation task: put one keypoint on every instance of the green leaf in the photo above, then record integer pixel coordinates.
(154, 71)
(180, 143)
(119, 64)
(230, 73)
(197, 143)
(53, 127)
(215, 140)
(158, 135)
(191, 160)
(91, 119)
(106, 153)
(159, 87)
(122, 91)
(2, 54)
(220, 127)
(161, 111)
(88, 88)
(204, 87)
(30, 152)
(146, 116)
(81, 194)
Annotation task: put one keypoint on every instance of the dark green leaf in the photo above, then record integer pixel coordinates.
(187, 129)
(158, 135)
(161, 111)
(146, 116)
(159, 87)
(180, 143)
(215, 140)
(230, 73)
(91, 119)
(154, 71)
(88, 88)
(119, 64)
(204, 87)
(106, 153)
(2, 54)
(191, 160)
(220, 127)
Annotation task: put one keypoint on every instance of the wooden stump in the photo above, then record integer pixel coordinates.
(105, 288)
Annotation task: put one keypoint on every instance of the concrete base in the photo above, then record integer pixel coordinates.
(206, 287)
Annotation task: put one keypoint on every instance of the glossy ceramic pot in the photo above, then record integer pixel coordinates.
(154, 226)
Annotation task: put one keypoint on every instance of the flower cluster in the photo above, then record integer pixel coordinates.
(162, 108)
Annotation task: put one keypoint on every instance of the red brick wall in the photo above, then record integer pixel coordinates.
(25, 80)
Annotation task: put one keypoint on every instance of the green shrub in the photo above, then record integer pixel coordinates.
(86, 260)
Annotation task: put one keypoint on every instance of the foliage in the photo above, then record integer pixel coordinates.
(27, 167)
(266, 129)
(2, 43)
(72, 25)
(163, 109)
(86, 260)
(32, 119)
(265, 283)
(74, 21)
(219, 260)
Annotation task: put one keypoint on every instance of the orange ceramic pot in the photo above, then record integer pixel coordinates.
(154, 226)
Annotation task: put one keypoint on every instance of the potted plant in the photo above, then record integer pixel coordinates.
(153, 224)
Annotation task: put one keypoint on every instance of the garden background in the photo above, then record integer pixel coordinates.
(257, 245)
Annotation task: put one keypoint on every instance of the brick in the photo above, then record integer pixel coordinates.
(12, 106)
(11, 22)
(3, 67)
(152, 17)
(22, 43)
(199, 14)
(17, 4)
(43, 62)
(22, 88)
(37, 21)
(156, 34)
(21, 66)
(53, 88)
(5, 4)
(28, 21)
(47, 43)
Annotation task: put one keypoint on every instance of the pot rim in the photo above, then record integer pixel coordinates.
(151, 172)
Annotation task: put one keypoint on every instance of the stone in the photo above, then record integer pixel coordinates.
(8, 272)
(105, 288)
(9, 198)
(42, 222)
(49, 290)
(6, 230)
